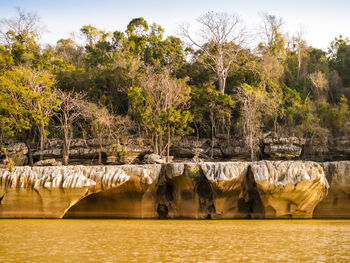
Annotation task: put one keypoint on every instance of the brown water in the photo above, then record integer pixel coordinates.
(174, 241)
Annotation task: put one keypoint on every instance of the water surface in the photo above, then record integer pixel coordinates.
(174, 241)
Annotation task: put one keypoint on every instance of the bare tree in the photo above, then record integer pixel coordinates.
(221, 38)
(320, 85)
(25, 25)
(270, 69)
(105, 125)
(273, 40)
(71, 108)
(252, 103)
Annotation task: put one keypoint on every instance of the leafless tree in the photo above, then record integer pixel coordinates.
(320, 85)
(221, 38)
(252, 103)
(271, 35)
(72, 107)
(23, 24)
(269, 69)
(105, 125)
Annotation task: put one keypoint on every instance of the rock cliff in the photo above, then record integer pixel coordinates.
(51, 192)
(289, 189)
(217, 190)
(337, 202)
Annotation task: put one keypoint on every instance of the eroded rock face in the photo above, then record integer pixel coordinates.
(127, 191)
(51, 192)
(289, 189)
(218, 190)
(176, 194)
(43, 192)
(227, 182)
(203, 190)
(337, 202)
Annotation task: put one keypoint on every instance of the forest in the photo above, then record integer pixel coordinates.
(143, 84)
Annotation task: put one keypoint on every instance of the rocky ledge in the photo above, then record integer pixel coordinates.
(220, 190)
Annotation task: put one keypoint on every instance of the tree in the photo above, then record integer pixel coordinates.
(212, 109)
(72, 107)
(273, 40)
(340, 58)
(320, 86)
(105, 126)
(221, 39)
(20, 35)
(159, 106)
(300, 47)
(26, 97)
(252, 104)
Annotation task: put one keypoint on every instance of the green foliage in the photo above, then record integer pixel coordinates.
(195, 174)
(211, 107)
(25, 95)
(340, 58)
(336, 118)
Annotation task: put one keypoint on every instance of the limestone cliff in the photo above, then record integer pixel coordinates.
(218, 190)
(337, 202)
(289, 189)
(49, 192)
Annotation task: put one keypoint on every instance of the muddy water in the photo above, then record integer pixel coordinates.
(174, 241)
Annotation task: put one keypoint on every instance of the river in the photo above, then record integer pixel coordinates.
(174, 240)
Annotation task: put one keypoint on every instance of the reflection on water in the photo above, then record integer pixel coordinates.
(174, 241)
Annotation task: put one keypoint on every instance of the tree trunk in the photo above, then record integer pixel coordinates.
(66, 146)
(275, 124)
(42, 140)
(160, 144)
(251, 152)
(212, 133)
(100, 152)
(65, 154)
(30, 155)
(251, 144)
(222, 84)
(299, 64)
(155, 148)
(197, 131)
(168, 146)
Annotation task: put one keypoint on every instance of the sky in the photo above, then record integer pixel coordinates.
(321, 20)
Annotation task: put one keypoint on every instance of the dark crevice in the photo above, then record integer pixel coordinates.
(206, 197)
(1, 198)
(251, 203)
(165, 197)
(162, 211)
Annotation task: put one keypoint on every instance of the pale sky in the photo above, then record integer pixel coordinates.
(322, 20)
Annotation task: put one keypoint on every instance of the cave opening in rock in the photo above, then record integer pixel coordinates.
(165, 196)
